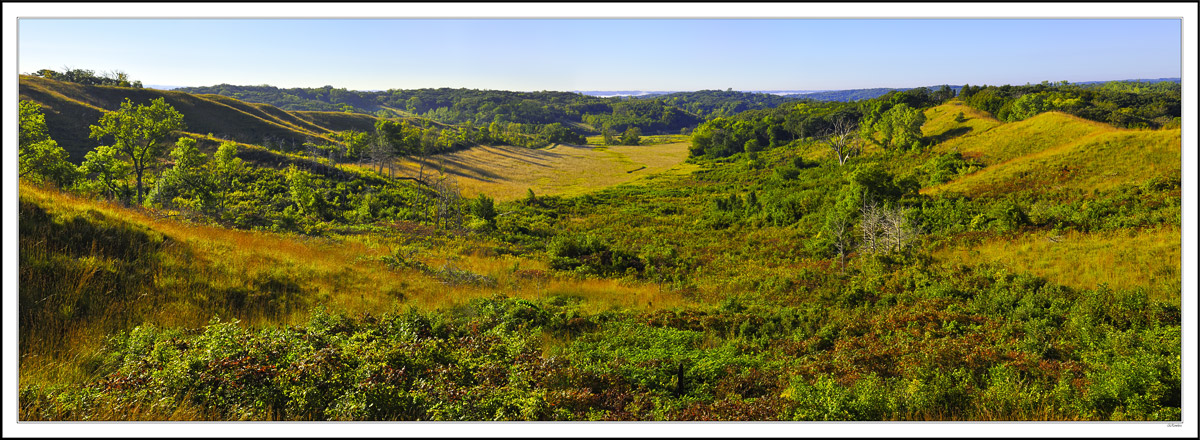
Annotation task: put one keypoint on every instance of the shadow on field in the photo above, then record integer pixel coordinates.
(950, 134)
(459, 167)
(530, 156)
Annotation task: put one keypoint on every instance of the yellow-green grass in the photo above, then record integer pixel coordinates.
(1124, 259)
(70, 108)
(653, 139)
(195, 270)
(1098, 161)
(506, 172)
(941, 126)
(1009, 141)
(339, 121)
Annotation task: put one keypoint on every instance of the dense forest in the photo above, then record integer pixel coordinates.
(1001, 253)
(716, 103)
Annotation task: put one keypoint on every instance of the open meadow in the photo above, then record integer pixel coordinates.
(506, 173)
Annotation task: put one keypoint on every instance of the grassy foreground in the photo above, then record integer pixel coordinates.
(707, 294)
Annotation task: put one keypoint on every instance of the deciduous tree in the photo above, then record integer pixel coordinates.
(107, 171)
(139, 134)
(39, 157)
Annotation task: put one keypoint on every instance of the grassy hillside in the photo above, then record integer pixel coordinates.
(339, 121)
(1009, 141)
(70, 108)
(941, 124)
(1148, 259)
(1040, 281)
(1055, 163)
(90, 268)
(1050, 151)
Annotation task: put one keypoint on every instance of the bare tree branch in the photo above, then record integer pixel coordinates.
(841, 139)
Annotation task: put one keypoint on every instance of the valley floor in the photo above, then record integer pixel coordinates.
(506, 172)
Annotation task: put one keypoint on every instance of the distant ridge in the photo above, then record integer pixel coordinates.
(843, 95)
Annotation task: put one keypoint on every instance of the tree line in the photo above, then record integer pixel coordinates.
(116, 78)
(478, 107)
(1127, 104)
(891, 121)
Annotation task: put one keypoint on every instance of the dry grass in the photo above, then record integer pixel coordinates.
(1098, 161)
(506, 172)
(1126, 259)
(197, 266)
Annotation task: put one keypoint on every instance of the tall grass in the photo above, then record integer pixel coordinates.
(90, 268)
(1123, 259)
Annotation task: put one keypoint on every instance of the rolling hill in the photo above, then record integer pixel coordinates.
(637, 284)
(1055, 158)
(1052, 151)
(70, 108)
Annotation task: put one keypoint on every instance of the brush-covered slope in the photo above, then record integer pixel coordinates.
(91, 268)
(71, 108)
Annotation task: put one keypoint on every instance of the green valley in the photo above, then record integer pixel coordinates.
(999, 253)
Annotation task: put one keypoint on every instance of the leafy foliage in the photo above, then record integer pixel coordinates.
(88, 77)
(41, 159)
(1122, 104)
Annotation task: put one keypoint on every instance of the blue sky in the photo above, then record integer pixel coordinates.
(606, 54)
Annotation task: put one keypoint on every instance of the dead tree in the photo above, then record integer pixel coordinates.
(885, 228)
(871, 224)
(898, 230)
(841, 232)
(841, 139)
(380, 153)
(448, 202)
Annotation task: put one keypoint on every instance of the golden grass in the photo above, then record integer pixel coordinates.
(197, 263)
(1148, 258)
(1100, 161)
(1016, 139)
(506, 172)
(939, 121)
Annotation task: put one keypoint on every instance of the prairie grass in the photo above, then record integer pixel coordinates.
(70, 108)
(506, 172)
(1099, 160)
(1009, 141)
(645, 140)
(940, 123)
(177, 274)
(1125, 259)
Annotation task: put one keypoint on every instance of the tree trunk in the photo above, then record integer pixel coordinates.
(139, 186)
